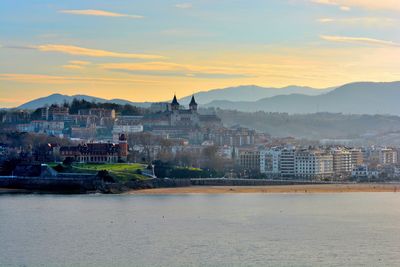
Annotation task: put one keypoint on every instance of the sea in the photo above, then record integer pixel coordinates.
(336, 229)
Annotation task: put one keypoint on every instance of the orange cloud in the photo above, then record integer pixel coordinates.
(52, 79)
(81, 51)
(79, 62)
(186, 69)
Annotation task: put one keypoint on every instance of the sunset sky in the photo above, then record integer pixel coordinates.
(149, 50)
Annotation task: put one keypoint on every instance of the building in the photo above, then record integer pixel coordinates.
(54, 112)
(85, 133)
(363, 172)
(42, 126)
(313, 164)
(387, 156)
(178, 122)
(176, 116)
(248, 159)
(98, 112)
(235, 136)
(18, 116)
(270, 161)
(97, 152)
(342, 162)
(159, 107)
(357, 157)
(287, 162)
(126, 130)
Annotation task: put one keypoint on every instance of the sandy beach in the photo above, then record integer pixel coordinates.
(321, 188)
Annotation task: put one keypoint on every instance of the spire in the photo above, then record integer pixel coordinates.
(175, 101)
(174, 104)
(193, 104)
(193, 101)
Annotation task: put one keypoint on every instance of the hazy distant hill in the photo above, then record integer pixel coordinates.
(353, 98)
(313, 126)
(239, 93)
(59, 99)
(250, 93)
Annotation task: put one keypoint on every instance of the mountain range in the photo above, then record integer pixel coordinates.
(251, 93)
(352, 98)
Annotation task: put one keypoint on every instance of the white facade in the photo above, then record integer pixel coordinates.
(313, 164)
(125, 129)
(270, 161)
(342, 162)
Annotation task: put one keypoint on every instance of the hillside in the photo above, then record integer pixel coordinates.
(59, 99)
(354, 98)
(312, 126)
(250, 93)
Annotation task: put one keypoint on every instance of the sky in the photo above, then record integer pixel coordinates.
(149, 50)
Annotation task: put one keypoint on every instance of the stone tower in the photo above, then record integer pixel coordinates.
(193, 104)
(174, 104)
(123, 148)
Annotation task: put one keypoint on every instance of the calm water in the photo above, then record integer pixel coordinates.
(354, 229)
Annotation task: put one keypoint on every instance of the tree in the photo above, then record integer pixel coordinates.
(68, 161)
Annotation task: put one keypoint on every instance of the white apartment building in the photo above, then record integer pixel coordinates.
(270, 161)
(342, 162)
(313, 164)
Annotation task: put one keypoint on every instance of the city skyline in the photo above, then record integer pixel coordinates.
(147, 51)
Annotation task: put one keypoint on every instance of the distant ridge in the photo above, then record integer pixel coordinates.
(352, 98)
(251, 93)
(60, 99)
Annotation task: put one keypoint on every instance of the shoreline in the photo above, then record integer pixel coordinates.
(280, 189)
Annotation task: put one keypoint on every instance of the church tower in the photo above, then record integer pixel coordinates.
(174, 104)
(193, 104)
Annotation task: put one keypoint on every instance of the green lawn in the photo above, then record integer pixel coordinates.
(120, 171)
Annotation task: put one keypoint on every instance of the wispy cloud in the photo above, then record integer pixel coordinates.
(358, 40)
(73, 67)
(363, 21)
(368, 4)
(176, 69)
(76, 65)
(184, 5)
(101, 13)
(81, 51)
(79, 62)
(54, 79)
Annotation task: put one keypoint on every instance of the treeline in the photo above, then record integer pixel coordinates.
(27, 141)
(164, 169)
(127, 110)
(81, 104)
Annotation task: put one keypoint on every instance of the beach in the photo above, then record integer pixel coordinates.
(301, 189)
